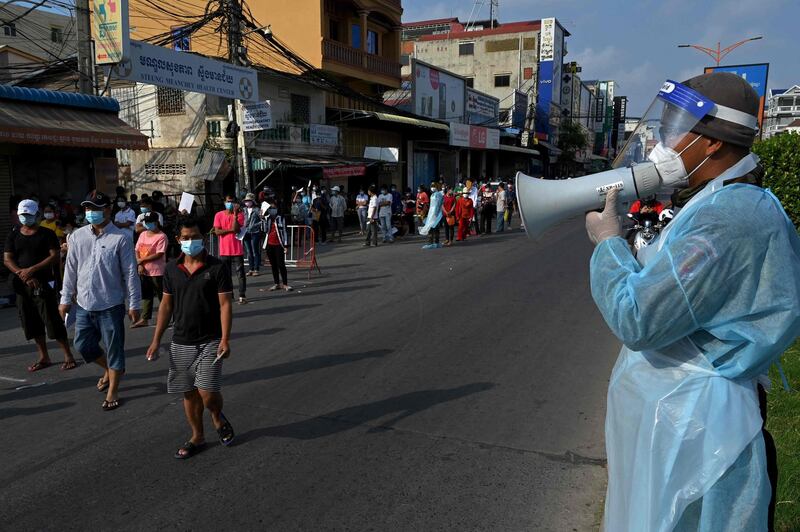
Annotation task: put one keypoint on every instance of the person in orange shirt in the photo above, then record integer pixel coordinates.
(465, 212)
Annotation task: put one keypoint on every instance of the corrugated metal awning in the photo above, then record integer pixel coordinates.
(209, 165)
(398, 119)
(54, 125)
(517, 149)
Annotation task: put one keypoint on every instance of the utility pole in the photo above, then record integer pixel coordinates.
(236, 55)
(84, 47)
(492, 5)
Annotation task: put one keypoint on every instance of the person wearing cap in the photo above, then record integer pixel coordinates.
(703, 312)
(254, 222)
(151, 251)
(337, 205)
(227, 224)
(101, 276)
(32, 256)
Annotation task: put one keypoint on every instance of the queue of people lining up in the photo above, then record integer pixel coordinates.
(387, 211)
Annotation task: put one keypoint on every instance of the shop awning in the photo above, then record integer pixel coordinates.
(517, 149)
(341, 166)
(550, 147)
(209, 165)
(35, 116)
(398, 119)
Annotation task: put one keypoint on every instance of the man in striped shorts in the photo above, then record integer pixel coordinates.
(198, 293)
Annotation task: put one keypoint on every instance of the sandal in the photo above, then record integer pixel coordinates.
(225, 432)
(102, 385)
(68, 365)
(189, 449)
(39, 365)
(111, 405)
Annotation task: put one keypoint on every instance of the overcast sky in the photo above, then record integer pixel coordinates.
(634, 42)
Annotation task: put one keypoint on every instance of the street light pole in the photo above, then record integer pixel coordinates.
(719, 53)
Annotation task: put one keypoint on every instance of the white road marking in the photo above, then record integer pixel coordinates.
(11, 379)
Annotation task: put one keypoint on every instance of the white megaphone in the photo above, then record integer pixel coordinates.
(543, 202)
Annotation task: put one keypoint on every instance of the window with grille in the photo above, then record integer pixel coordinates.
(56, 34)
(10, 30)
(170, 101)
(181, 39)
(502, 80)
(466, 48)
(301, 109)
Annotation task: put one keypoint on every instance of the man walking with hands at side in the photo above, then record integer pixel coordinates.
(197, 292)
(101, 275)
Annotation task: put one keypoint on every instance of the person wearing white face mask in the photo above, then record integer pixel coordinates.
(125, 218)
(49, 221)
(703, 312)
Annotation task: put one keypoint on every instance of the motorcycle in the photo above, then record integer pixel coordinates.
(646, 229)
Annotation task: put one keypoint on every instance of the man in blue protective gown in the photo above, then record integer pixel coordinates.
(703, 312)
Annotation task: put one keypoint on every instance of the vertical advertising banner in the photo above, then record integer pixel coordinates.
(110, 30)
(756, 75)
(551, 57)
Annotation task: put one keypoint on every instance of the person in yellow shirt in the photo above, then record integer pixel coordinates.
(49, 221)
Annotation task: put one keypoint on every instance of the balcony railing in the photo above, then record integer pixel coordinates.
(347, 55)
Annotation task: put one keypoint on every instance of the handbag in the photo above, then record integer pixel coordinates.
(451, 220)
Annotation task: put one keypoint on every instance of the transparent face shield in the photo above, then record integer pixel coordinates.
(672, 115)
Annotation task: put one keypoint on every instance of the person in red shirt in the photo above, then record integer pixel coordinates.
(276, 245)
(423, 204)
(227, 225)
(465, 212)
(449, 213)
(646, 205)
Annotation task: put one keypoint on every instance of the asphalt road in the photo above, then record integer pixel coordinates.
(453, 389)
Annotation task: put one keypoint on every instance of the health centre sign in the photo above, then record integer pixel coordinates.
(185, 71)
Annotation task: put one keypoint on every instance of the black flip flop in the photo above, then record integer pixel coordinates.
(225, 432)
(111, 405)
(189, 449)
(102, 385)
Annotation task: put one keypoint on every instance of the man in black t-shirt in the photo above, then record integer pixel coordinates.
(32, 255)
(197, 293)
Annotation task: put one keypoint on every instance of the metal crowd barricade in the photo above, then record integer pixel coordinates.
(301, 250)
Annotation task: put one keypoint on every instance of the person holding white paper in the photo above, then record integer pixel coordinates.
(227, 225)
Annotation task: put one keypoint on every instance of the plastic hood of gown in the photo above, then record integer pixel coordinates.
(707, 311)
(434, 213)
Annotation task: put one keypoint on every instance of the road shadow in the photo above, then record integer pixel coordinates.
(285, 309)
(310, 291)
(300, 366)
(312, 284)
(6, 413)
(404, 406)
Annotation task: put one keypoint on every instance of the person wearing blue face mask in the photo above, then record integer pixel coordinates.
(151, 249)
(197, 294)
(100, 276)
(146, 206)
(31, 255)
(227, 226)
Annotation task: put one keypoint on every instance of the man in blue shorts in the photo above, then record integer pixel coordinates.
(198, 294)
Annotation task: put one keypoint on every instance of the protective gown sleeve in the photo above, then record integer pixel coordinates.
(728, 273)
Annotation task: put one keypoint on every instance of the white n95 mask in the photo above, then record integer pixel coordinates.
(670, 165)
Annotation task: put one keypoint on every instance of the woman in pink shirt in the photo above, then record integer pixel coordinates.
(150, 255)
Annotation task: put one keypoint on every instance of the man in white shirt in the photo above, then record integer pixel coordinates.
(385, 214)
(146, 206)
(125, 218)
(338, 205)
(372, 218)
(502, 205)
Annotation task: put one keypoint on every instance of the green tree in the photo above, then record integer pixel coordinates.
(571, 139)
(780, 157)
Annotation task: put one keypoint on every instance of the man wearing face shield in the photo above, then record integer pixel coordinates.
(703, 312)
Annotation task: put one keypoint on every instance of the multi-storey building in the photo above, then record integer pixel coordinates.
(495, 58)
(783, 109)
(29, 39)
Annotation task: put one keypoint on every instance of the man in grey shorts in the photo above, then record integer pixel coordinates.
(198, 293)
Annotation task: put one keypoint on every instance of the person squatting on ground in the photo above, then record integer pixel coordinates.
(197, 294)
(253, 222)
(32, 255)
(101, 275)
(703, 312)
(227, 224)
(276, 245)
(465, 213)
(151, 251)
